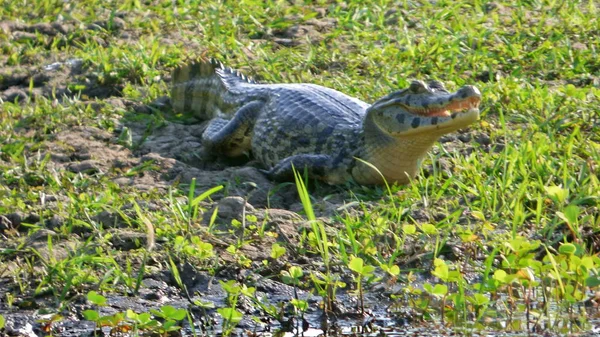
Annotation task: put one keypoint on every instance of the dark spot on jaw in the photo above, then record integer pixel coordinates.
(416, 122)
(454, 115)
(400, 118)
(434, 120)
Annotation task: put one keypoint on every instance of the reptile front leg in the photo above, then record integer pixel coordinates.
(318, 165)
(233, 137)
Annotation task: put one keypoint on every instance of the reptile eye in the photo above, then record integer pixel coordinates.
(418, 87)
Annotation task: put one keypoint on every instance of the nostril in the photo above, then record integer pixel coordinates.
(469, 91)
(476, 91)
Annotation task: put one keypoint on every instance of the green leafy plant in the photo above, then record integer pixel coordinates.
(361, 271)
(231, 316)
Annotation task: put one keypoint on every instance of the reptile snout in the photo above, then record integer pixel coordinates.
(468, 91)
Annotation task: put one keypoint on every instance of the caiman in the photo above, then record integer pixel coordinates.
(331, 135)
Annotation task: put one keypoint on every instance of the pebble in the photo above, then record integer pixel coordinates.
(86, 166)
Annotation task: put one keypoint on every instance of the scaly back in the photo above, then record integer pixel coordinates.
(199, 88)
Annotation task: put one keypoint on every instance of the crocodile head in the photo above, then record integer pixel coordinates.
(426, 108)
(401, 127)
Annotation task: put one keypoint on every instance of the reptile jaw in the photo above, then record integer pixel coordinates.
(446, 111)
(426, 110)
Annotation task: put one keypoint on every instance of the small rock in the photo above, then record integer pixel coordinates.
(128, 240)
(41, 235)
(233, 208)
(63, 29)
(108, 219)
(76, 65)
(82, 155)
(5, 223)
(13, 78)
(464, 137)
(6, 27)
(15, 219)
(116, 102)
(390, 12)
(121, 164)
(447, 138)
(24, 36)
(483, 139)
(322, 25)
(300, 31)
(490, 6)
(13, 328)
(59, 251)
(50, 198)
(124, 181)
(42, 28)
(32, 218)
(487, 76)
(87, 167)
(115, 24)
(54, 222)
(95, 26)
(282, 214)
(14, 95)
(53, 66)
(145, 205)
(60, 158)
(286, 42)
(100, 41)
(153, 296)
(142, 109)
(321, 12)
(421, 215)
(118, 24)
(39, 79)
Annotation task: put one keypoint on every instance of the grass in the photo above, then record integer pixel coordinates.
(504, 225)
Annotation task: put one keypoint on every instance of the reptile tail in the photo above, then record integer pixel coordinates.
(198, 88)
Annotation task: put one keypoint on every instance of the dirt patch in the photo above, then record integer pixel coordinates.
(60, 79)
(59, 76)
(300, 32)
